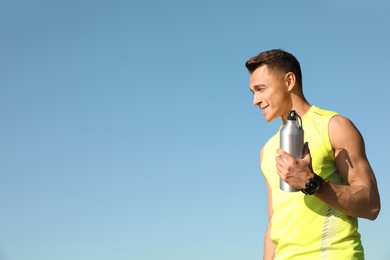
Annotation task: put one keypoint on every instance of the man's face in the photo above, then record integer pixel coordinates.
(270, 92)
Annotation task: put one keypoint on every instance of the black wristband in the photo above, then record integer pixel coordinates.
(312, 185)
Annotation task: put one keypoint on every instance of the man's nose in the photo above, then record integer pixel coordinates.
(256, 99)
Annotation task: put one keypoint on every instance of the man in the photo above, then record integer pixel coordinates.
(337, 181)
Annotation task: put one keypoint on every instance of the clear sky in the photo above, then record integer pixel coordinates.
(128, 130)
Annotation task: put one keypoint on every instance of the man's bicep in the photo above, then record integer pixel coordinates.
(350, 155)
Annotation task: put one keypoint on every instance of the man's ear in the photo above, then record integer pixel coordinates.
(290, 80)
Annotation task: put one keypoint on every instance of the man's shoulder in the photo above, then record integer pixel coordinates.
(318, 111)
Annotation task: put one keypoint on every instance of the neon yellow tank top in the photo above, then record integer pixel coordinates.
(302, 227)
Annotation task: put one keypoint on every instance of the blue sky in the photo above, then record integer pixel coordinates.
(128, 130)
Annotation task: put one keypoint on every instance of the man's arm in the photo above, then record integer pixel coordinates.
(360, 196)
(269, 247)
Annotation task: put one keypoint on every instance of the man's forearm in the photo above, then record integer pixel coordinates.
(353, 200)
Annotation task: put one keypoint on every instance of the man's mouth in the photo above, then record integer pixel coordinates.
(263, 108)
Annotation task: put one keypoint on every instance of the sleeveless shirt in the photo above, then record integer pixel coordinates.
(303, 227)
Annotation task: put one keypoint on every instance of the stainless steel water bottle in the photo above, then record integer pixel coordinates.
(291, 141)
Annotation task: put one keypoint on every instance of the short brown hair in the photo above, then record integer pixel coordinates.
(278, 60)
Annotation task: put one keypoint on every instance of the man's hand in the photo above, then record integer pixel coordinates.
(295, 171)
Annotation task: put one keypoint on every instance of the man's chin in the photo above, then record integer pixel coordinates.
(269, 119)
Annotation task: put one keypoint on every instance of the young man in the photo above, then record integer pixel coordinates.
(337, 182)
